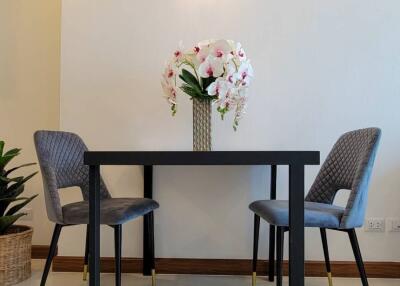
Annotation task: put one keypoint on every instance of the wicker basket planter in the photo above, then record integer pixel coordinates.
(201, 125)
(15, 255)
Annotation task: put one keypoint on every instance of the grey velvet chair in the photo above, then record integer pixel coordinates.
(348, 166)
(60, 157)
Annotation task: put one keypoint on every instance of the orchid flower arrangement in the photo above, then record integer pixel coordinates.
(216, 70)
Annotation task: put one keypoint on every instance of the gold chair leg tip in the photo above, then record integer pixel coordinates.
(85, 268)
(153, 277)
(330, 279)
(254, 279)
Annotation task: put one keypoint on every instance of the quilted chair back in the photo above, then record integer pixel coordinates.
(60, 157)
(348, 166)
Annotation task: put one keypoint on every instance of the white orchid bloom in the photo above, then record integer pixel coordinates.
(169, 72)
(245, 73)
(203, 50)
(240, 53)
(205, 43)
(228, 101)
(179, 53)
(211, 67)
(221, 49)
(169, 91)
(202, 53)
(219, 88)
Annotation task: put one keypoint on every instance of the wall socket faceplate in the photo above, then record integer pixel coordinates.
(375, 225)
(393, 224)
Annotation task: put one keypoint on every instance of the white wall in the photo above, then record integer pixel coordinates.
(322, 68)
(29, 88)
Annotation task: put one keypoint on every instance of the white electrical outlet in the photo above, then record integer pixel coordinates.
(29, 214)
(393, 224)
(375, 225)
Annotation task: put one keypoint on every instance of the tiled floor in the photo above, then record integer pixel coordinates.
(72, 279)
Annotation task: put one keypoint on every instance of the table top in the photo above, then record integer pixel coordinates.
(202, 158)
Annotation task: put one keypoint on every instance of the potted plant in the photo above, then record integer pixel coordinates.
(15, 240)
(213, 71)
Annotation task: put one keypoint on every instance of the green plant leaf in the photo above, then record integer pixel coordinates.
(7, 157)
(10, 200)
(8, 197)
(14, 193)
(18, 167)
(1, 148)
(189, 90)
(11, 152)
(5, 202)
(7, 221)
(9, 180)
(205, 82)
(21, 182)
(17, 207)
(190, 79)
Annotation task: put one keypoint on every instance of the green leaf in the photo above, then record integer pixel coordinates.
(205, 82)
(18, 167)
(173, 109)
(7, 221)
(194, 88)
(12, 152)
(10, 200)
(190, 79)
(5, 202)
(17, 207)
(21, 182)
(6, 158)
(189, 90)
(9, 180)
(1, 148)
(15, 192)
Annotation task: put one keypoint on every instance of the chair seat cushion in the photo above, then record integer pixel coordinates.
(113, 211)
(276, 212)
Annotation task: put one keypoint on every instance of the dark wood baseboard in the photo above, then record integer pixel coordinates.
(40, 251)
(228, 267)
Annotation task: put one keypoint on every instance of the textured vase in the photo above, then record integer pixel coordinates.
(201, 125)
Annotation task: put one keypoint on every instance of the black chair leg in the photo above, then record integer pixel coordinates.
(86, 260)
(255, 247)
(151, 242)
(326, 255)
(357, 255)
(118, 243)
(52, 251)
(271, 258)
(280, 237)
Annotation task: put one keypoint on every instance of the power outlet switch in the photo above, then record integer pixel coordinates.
(393, 224)
(375, 225)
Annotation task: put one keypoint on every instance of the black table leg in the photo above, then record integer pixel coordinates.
(94, 225)
(296, 225)
(147, 231)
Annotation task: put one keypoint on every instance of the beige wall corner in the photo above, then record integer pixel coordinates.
(29, 85)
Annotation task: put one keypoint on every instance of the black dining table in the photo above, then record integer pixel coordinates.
(295, 160)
